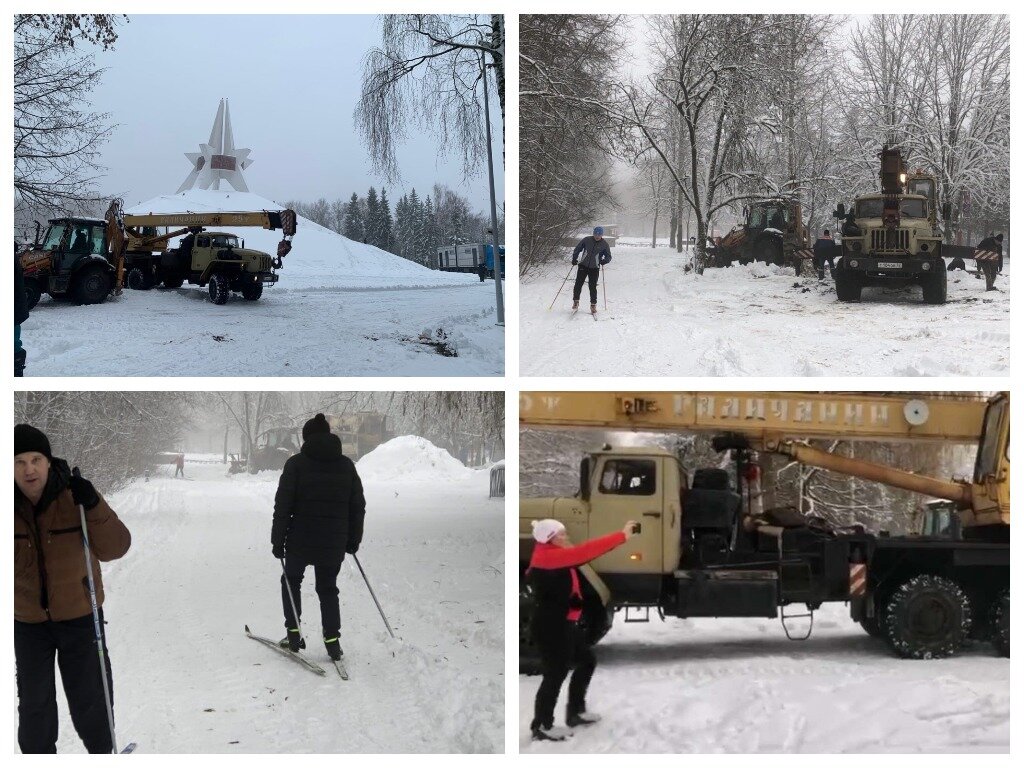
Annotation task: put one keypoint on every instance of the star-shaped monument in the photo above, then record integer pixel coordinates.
(218, 159)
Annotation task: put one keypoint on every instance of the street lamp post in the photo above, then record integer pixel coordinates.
(499, 298)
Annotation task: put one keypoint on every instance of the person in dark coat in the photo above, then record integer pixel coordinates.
(993, 244)
(318, 519)
(179, 465)
(987, 266)
(20, 313)
(824, 250)
(595, 253)
(482, 270)
(53, 620)
(555, 580)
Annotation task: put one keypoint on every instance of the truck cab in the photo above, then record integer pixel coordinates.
(221, 260)
(69, 261)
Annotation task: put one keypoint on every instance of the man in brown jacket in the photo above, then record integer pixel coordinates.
(52, 611)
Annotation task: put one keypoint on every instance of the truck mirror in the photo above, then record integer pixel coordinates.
(38, 229)
(947, 211)
(840, 211)
(746, 212)
(585, 479)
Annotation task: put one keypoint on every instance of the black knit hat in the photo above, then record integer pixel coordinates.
(316, 426)
(27, 438)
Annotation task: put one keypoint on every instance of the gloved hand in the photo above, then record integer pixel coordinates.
(351, 548)
(82, 491)
(575, 262)
(278, 551)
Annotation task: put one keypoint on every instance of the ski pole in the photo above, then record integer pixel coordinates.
(556, 295)
(375, 600)
(604, 288)
(291, 599)
(96, 623)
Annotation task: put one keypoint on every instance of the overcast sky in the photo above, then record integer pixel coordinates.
(292, 84)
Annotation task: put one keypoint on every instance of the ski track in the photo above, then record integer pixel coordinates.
(757, 321)
(738, 685)
(186, 679)
(290, 331)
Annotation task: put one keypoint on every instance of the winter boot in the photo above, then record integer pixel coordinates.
(20, 356)
(575, 306)
(548, 733)
(593, 309)
(294, 642)
(577, 717)
(333, 648)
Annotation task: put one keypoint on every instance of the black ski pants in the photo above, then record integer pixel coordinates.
(562, 647)
(586, 274)
(73, 645)
(326, 573)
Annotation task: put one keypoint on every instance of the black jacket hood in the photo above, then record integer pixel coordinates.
(321, 447)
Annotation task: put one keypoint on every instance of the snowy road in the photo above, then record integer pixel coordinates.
(757, 321)
(738, 685)
(188, 680)
(288, 332)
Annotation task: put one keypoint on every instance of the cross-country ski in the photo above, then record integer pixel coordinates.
(293, 655)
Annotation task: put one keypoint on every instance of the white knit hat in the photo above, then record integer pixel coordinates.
(545, 530)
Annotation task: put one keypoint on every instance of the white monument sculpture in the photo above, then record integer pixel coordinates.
(218, 159)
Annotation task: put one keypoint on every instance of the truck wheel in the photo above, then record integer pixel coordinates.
(33, 291)
(137, 280)
(873, 626)
(252, 291)
(928, 617)
(219, 289)
(848, 285)
(529, 658)
(934, 287)
(1000, 623)
(173, 281)
(91, 285)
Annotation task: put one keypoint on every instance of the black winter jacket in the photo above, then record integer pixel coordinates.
(595, 252)
(20, 299)
(319, 507)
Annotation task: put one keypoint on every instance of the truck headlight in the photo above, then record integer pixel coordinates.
(924, 247)
(926, 266)
(857, 245)
(854, 263)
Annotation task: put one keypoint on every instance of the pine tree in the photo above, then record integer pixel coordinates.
(387, 224)
(415, 229)
(373, 223)
(428, 235)
(354, 228)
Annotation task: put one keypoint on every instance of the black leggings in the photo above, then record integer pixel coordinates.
(73, 645)
(586, 274)
(562, 648)
(326, 589)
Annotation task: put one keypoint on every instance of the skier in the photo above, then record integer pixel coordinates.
(318, 519)
(595, 252)
(52, 611)
(179, 465)
(20, 314)
(824, 250)
(554, 577)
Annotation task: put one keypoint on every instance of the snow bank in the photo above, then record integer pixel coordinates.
(411, 457)
(320, 258)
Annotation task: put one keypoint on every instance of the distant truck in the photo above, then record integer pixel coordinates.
(892, 237)
(773, 232)
(467, 257)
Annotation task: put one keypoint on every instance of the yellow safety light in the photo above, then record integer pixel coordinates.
(635, 556)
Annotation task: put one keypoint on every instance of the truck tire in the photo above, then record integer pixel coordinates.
(928, 617)
(848, 285)
(33, 292)
(137, 280)
(1000, 623)
(173, 281)
(91, 285)
(934, 288)
(252, 291)
(873, 625)
(219, 289)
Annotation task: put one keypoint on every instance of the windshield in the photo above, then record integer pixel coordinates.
(871, 208)
(924, 187)
(53, 235)
(224, 241)
(988, 456)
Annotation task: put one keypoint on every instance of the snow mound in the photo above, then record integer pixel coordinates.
(411, 457)
(320, 259)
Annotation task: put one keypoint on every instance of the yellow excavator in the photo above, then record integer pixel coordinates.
(705, 549)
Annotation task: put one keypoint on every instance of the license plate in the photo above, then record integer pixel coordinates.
(890, 265)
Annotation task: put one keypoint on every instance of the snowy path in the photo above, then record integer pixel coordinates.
(288, 332)
(187, 679)
(738, 685)
(757, 321)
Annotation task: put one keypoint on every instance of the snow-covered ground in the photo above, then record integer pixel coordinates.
(756, 321)
(341, 308)
(738, 685)
(188, 680)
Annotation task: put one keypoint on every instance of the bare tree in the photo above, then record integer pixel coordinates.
(427, 73)
(57, 138)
